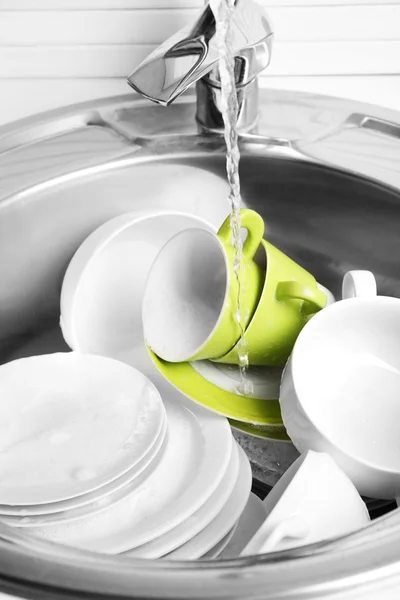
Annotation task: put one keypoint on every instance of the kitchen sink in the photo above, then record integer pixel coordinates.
(325, 175)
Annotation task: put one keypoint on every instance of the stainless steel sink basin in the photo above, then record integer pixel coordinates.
(325, 175)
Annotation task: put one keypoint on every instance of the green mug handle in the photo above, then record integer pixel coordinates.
(289, 290)
(253, 222)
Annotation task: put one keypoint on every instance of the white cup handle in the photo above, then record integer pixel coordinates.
(358, 284)
(262, 542)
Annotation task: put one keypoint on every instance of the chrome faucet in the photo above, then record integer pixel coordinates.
(191, 56)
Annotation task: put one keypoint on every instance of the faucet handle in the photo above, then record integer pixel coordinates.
(193, 53)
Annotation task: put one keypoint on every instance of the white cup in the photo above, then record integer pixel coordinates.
(190, 300)
(340, 390)
(313, 501)
(185, 294)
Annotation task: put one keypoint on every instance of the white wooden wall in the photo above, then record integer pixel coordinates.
(54, 52)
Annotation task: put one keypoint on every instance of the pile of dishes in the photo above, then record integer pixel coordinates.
(101, 312)
(126, 466)
(92, 457)
(128, 437)
(336, 357)
(188, 325)
(105, 297)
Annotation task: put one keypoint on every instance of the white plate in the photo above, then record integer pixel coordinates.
(266, 381)
(193, 464)
(102, 291)
(198, 521)
(96, 501)
(249, 523)
(71, 423)
(224, 521)
(218, 548)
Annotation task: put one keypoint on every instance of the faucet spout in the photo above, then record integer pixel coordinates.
(177, 63)
(192, 55)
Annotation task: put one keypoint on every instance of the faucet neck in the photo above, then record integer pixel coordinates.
(192, 56)
(209, 111)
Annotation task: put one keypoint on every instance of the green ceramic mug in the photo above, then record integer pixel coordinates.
(290, 297)
(190, 300)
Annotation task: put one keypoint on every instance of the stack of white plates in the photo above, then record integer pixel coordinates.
(92, 458)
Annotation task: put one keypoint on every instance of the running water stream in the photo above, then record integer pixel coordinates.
(223, 12)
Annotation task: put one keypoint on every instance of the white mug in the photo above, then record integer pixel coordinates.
(340, 390)
(313, 501)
